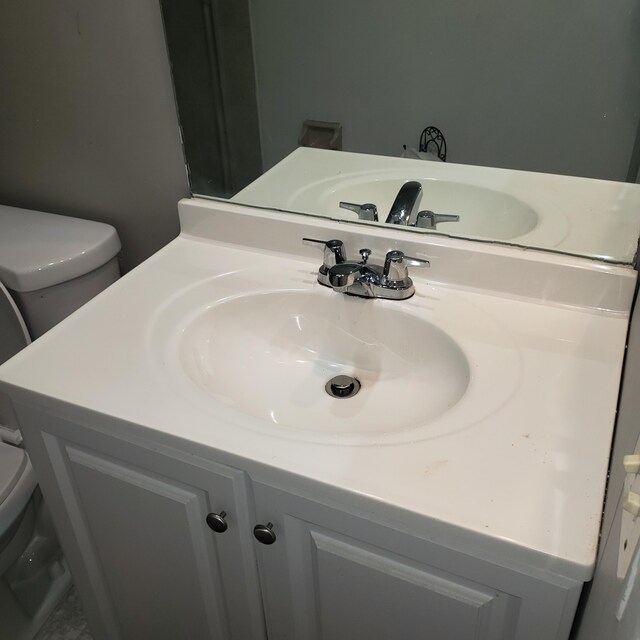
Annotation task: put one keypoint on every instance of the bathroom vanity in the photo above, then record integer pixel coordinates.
(205, 485)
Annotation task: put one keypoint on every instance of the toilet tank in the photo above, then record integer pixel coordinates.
(53, 264)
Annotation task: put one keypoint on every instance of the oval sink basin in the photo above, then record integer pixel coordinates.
(270, 355)
(255, 349)
(484, 213)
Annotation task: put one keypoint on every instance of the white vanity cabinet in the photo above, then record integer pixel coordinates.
(133, 523)
(463, 510)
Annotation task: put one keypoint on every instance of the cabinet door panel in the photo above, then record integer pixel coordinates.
(151, 543)
(322, 585)
(351, 579)
(369, 593)
(134, 527)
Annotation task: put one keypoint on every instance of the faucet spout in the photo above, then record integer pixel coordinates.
(404, 209)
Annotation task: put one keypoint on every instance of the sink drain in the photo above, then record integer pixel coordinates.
(342, 387)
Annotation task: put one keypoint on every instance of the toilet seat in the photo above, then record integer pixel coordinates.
(17, 484)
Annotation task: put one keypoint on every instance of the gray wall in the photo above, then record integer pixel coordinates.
(537, 85)
(88, 126)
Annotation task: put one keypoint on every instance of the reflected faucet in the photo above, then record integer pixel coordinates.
(404, 209)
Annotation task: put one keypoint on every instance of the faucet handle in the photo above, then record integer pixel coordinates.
(366, 211)
(416, 262)
(334, 252)
(396, 263)
(428, 219)
(342, 276)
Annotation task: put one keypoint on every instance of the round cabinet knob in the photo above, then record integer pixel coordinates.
(264, 533)
(217, 522)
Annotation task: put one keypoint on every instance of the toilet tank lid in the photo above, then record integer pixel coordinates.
(12, 463)
(39, 250)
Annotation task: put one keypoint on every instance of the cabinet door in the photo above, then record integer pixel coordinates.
(333, 576)
(141, 522)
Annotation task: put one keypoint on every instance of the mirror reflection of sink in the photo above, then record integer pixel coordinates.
(571, 215)
(484, 213)
(270, 355)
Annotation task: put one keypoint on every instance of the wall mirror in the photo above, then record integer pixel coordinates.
(545, 87)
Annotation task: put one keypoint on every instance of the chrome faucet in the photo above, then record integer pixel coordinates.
(390, 281)
(404, 209)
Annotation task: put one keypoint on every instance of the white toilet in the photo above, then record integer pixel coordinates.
(49, 266)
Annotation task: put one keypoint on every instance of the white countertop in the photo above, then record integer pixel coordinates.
(520, 479)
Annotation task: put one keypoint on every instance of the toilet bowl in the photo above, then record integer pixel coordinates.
(50, 265)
